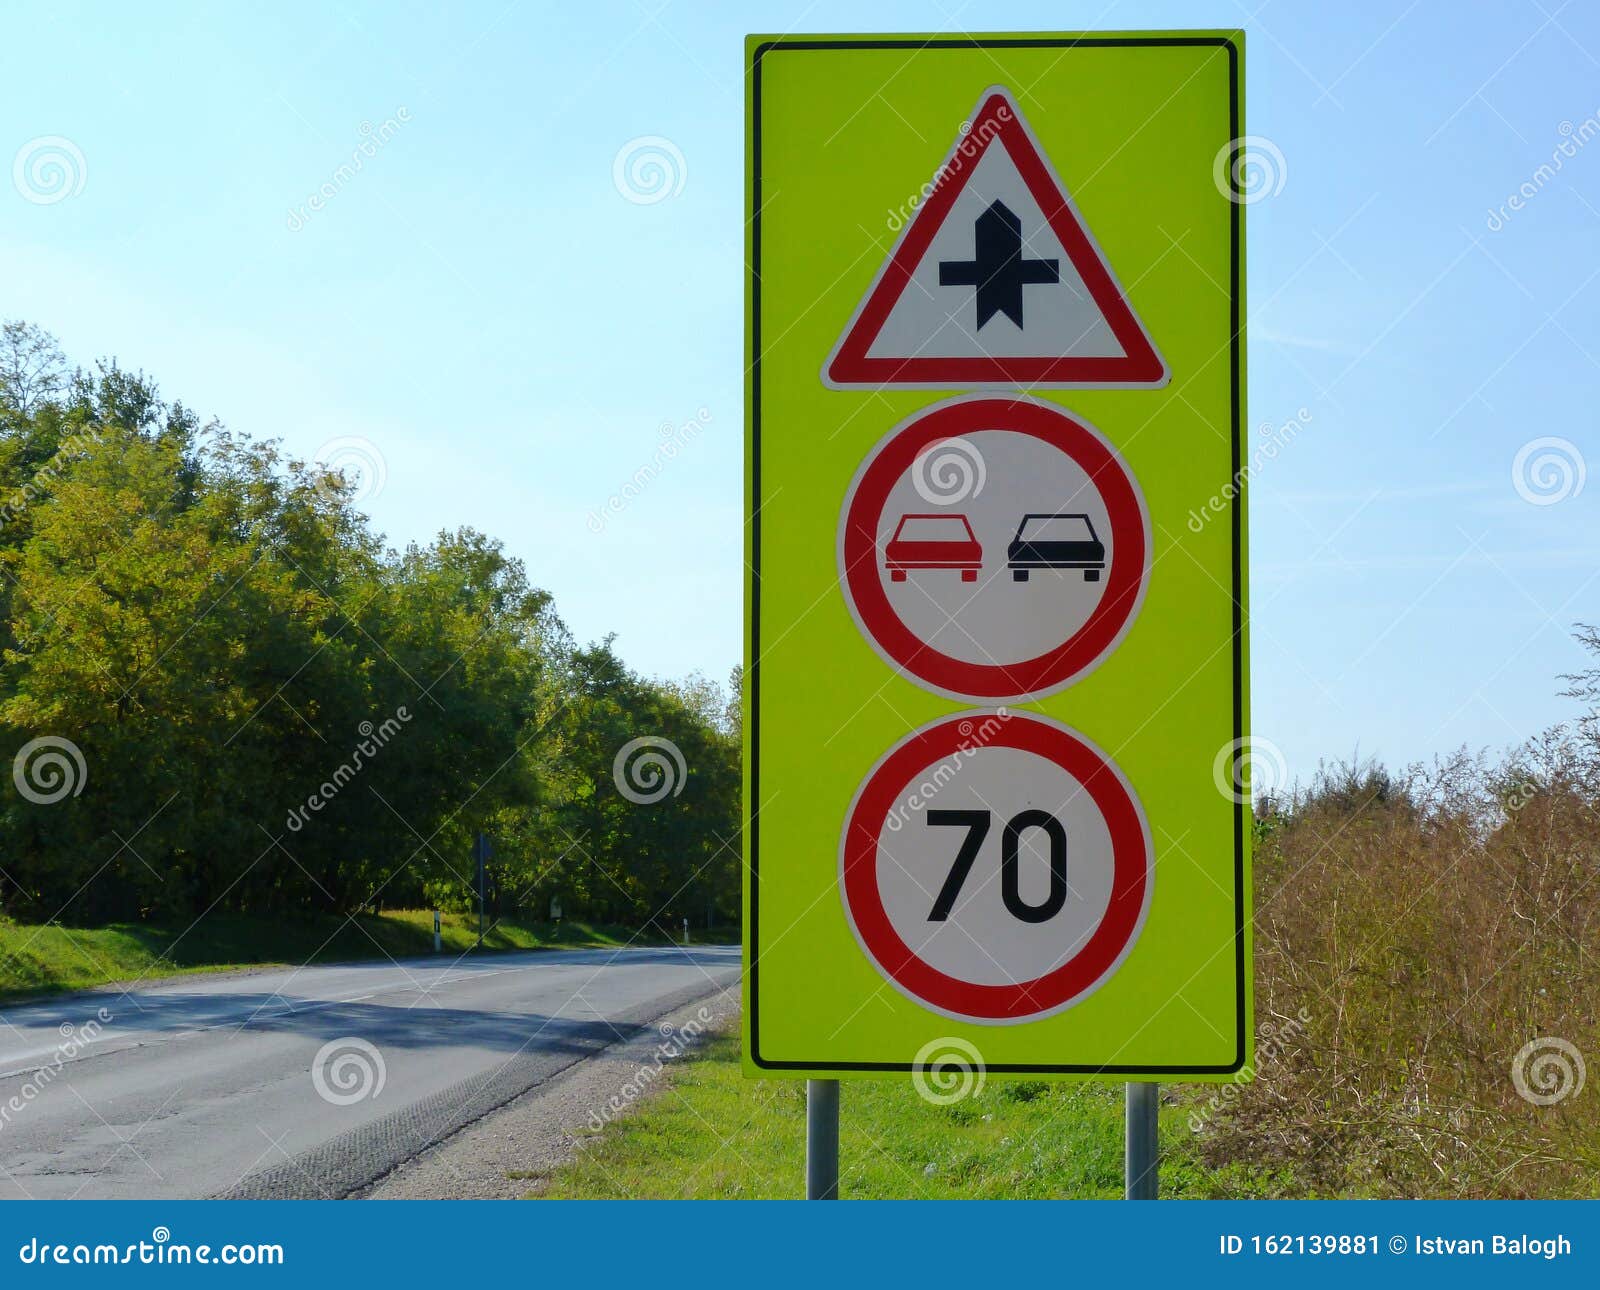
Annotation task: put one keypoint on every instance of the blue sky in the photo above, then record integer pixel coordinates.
(512, 334)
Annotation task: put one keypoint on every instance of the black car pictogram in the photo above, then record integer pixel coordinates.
(1056, 542)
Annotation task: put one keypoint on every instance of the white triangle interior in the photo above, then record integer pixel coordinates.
(934, 321)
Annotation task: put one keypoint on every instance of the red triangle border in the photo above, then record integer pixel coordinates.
(997, 120)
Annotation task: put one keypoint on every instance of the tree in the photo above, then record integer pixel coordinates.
(275, 712)
(1585, 687)
(33, 370)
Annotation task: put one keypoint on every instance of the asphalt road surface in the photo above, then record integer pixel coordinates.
(309, 1082)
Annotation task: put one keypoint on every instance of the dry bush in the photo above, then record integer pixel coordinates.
(1429, 927)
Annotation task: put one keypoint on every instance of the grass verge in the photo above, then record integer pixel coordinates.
(45, 959)
(711, 1133)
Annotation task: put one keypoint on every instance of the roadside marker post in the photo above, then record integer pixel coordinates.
(997, 551)
(480, 854)
(438, 940)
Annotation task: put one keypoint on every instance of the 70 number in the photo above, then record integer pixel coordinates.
(977, 825)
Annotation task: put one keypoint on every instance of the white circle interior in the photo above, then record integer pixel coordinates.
(980, 941)
(968, 499)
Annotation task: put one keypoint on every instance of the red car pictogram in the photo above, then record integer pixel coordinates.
(933, 542)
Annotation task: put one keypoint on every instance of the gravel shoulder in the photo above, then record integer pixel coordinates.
(539, 1131)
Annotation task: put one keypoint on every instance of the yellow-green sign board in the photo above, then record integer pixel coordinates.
(996, 659)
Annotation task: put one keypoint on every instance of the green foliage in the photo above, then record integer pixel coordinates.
(277, 713)
(707, 1132)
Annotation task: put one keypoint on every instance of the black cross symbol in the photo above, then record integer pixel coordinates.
(997, 268)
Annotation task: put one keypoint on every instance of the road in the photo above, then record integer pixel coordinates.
(249, 1084)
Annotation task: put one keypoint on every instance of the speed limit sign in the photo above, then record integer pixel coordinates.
(996, 660)
(996, 867)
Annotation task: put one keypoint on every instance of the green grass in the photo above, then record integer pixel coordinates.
(712, 1133)
(37, 960)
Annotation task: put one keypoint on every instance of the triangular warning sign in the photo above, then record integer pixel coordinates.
(995, 281)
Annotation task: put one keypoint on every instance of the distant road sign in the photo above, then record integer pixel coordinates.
(993, 665)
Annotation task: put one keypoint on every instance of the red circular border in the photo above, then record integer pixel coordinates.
(1031, 677)
(1131, 873)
